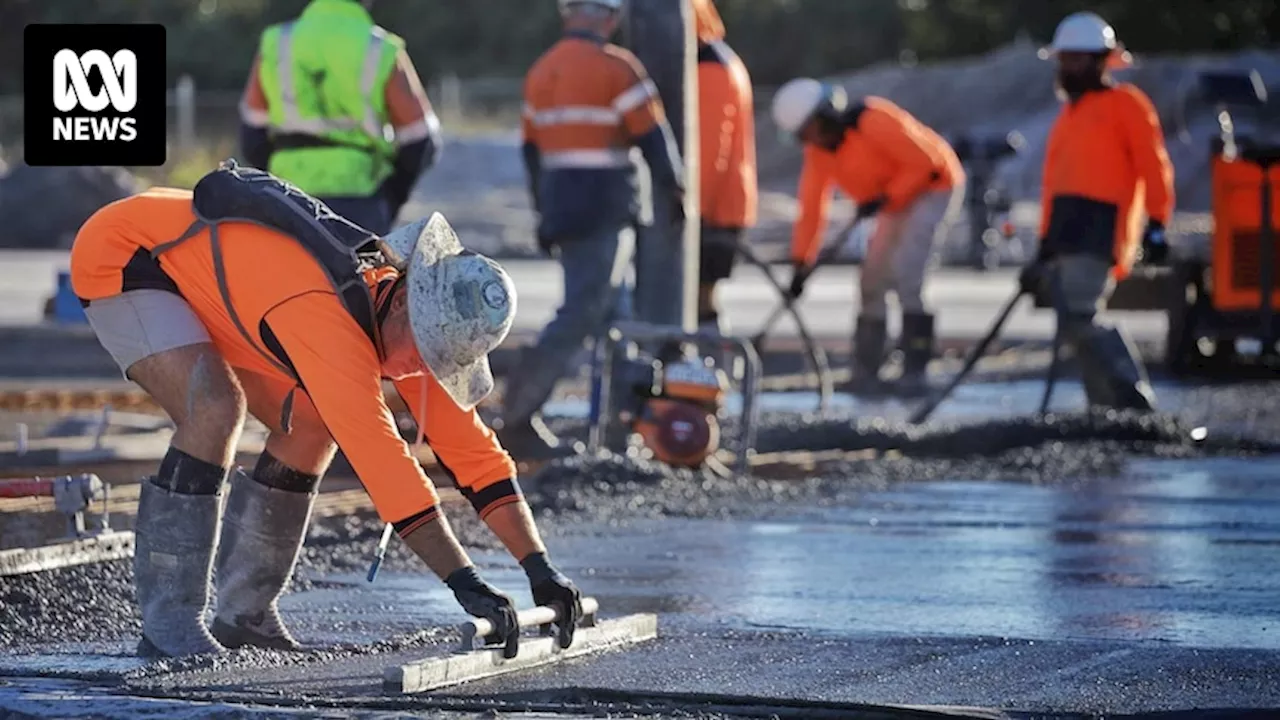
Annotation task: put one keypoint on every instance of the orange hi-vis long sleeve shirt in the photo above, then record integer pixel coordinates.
(288, 305)
(729, 194)
(1105, 164)
(885, 151)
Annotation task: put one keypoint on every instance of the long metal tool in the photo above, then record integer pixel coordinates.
(788, 302)
(981, 349)
(479, 632)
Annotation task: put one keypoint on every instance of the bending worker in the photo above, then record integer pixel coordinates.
(892, 166)
(334, 105)
(727, 137)
(1104, 165)
(587, 102)
(204, 320)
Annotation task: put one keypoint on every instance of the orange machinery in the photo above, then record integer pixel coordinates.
(1223, 309)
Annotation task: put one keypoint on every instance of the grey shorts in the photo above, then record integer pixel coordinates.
(140, 323)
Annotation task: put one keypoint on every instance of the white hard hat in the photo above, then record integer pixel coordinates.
(615, 5)
(800, 99)
(1084, 32)
(461, 306)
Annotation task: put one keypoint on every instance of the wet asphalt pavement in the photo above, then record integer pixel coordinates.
(1075, 564)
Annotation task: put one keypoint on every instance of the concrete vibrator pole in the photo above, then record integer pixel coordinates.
(661, 33)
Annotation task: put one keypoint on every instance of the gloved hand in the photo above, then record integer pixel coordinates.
(872, 206)
(800, 273)
(1030, 277)
(1155, 247)
(551, 588)
(482, 600)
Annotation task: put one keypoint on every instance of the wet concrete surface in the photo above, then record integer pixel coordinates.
(1081, 564)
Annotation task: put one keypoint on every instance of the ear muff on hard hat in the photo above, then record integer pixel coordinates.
(1086, 32)
(802, 99)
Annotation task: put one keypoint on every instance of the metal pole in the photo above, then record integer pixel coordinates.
(661, 33)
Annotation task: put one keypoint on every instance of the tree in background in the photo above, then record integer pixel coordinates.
(214, 40)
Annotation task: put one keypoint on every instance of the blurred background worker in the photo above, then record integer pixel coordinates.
(892, 166)
(1105, 164)
(316, 109)
(727, 136)
(587, 102)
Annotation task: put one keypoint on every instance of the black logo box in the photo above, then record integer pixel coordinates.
(41, 42)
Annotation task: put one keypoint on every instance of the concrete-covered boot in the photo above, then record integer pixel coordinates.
(174, 538)
(917, 351)
(869, 337)
(262, 533)
(1113, 375)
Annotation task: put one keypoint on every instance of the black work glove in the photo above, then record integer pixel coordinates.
(552, 589)
(1030, 277)
(1155, 246)
(482, 600)
(800, 273)
(872, 206)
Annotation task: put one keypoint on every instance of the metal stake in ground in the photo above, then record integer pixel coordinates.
(981, 349)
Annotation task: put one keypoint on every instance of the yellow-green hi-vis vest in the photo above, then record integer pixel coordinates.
(324, 76)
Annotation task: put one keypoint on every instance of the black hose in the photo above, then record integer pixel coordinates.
(925, 411)
(817, 356)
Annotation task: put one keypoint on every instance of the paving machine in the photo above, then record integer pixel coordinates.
(664, 386)
(1223, 309)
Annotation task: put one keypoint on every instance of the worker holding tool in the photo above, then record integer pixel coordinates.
(895, 169)
(334, 105)
(727, 138)
(1105, 167)
(201, 316)
(587, 102)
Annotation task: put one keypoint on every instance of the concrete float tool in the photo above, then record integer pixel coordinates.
(72, 496)
(478, 657)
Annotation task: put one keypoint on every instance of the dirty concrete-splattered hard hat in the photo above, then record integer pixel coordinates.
(461, 305)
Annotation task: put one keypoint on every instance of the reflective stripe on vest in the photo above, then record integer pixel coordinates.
(293, 120)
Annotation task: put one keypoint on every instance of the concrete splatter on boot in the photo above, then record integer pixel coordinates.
(262, 533)
(917, 351)
(869, 337)
(175, 535)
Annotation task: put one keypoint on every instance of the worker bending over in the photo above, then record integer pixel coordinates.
(727, 138)
(587, 102)
(205, 320)
(1105, 165)
(334, 105)
(893, 167)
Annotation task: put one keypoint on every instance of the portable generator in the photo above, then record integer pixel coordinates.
(1223, 309)
(672, 395)
(987, 207)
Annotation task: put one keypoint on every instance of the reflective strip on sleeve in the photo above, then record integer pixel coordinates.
(590, 159)
(634, 97)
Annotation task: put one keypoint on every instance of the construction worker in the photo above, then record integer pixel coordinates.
(334, 105)
(895, 168)
(727, 138)
(205, 321)
(587, 102)
(1105, 167)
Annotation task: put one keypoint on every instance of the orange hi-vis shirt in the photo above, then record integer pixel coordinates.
(726, 108)
(1105, 164)
(885, 151)
(285, 301)
(586, 101)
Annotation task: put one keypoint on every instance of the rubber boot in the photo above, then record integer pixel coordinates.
(1113, 376)
(869, 337)
(174, 538)
(917, 351)
(262, 533)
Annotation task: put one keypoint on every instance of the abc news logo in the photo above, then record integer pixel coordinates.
(94, 95)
